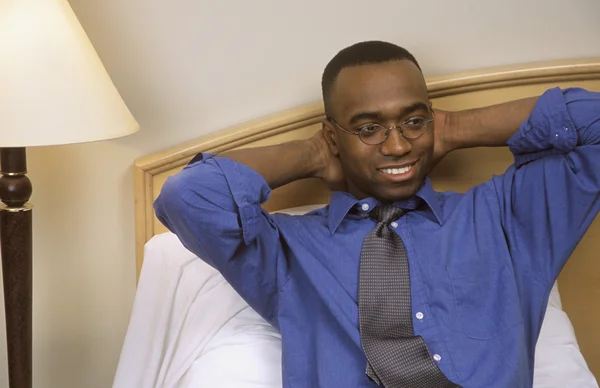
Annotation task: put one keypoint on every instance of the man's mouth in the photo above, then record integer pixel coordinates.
(397, 170)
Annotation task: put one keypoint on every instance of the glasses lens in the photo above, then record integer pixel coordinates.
(373, 134)
(415, 129)
(413, 133)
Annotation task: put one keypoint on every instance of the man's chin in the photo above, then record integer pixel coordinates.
(386, 192)
(397, 196)
(399, 193)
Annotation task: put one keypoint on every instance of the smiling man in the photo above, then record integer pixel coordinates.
(394, 284)
(367, 99)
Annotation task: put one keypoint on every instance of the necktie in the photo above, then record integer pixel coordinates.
(396, 358)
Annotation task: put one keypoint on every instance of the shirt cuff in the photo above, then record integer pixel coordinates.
(249, 191)
(548, 131)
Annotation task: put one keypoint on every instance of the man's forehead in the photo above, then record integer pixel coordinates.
(367, 87)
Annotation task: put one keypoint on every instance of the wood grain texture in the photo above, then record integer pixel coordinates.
(579, 282)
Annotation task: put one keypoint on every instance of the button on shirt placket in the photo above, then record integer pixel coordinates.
(423, 323)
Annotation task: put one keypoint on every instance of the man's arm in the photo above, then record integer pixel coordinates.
(551, 194)
(490, 126)
(287, 162)
(279, 164)
(214, 206)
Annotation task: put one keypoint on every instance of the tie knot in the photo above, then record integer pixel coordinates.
(386, 213)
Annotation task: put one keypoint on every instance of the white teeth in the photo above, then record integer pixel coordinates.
(395, 171)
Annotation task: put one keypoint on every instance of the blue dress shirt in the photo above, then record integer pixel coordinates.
(482, 263)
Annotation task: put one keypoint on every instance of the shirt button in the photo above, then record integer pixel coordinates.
(419, 315)
(365, 207)
(437, 357)
(394, 224)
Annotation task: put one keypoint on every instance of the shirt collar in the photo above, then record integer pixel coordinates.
(341, 202)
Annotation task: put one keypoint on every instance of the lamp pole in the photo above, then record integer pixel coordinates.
(16, 251)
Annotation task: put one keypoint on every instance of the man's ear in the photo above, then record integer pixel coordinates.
(331, 137)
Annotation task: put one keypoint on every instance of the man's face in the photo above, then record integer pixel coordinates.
(389, 94)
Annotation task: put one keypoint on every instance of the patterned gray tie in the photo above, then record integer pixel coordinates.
(396, 358)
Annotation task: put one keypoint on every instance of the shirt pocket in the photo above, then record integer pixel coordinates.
(486, 298)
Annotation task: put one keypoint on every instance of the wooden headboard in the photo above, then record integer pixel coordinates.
(579, 283)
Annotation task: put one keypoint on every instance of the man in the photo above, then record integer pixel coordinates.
(393, 284)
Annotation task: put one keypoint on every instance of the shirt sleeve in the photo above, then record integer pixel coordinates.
(214, 206)
(550, 196)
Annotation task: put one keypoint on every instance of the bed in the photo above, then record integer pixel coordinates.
(579, 282)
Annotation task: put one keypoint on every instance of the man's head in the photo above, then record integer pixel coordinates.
(378, 83)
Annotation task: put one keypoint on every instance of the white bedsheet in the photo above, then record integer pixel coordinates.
(168, 330)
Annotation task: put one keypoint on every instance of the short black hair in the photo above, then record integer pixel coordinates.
(362, 53)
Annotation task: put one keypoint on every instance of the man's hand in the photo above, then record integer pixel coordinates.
(330, 168)
(441, 146)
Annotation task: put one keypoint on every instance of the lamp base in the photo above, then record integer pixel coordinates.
(16, 249)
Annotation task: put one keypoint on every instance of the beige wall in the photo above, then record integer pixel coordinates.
(191, 67)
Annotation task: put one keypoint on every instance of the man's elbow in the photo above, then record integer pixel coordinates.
(195, 199)
(169, 205)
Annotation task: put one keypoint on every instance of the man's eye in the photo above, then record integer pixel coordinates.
(415, 122)
(369, 128)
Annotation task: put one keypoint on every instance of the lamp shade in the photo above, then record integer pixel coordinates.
(53, 86)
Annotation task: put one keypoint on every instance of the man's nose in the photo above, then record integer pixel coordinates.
(395, 144)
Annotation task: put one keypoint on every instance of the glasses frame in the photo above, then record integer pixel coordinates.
(387, 129)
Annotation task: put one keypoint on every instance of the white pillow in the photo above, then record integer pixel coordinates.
(558, 360)
(246, 351)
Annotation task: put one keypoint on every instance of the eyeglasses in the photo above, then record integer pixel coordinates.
(375, 134)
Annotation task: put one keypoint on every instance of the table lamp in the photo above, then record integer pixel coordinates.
(53, 90)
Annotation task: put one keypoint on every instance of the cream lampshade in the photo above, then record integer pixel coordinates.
(53, 90)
